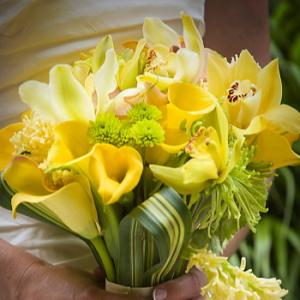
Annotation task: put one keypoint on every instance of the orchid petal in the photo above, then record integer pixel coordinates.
(191, 35)
(105, 44)
(191, 178)
(39, 98)
(217, 119)
(276, 149)
(7, 148)
(105, 80)
(187, 66)
(157, 32)
(160, 82)
(257, 125)
(270, 84)
(129, 72)
(123, 101)
(81, 71)
(217, 74)
(245, 68)
(284, 117)
(69, 95)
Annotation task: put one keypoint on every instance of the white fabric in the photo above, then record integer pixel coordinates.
(35, 35)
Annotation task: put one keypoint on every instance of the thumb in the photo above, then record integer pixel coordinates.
(185, 287)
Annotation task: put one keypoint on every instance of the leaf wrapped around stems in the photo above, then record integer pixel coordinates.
(152, 238)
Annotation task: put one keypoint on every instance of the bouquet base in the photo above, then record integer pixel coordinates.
(127, 290)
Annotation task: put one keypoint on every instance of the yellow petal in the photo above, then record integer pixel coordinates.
(38, 97)
(257, 125)
(106, 80)
(71, 142)
(191, 178)
(72, 204)
(105, 44)
(175, 140)
(69, 95)
(192, 37)
(269, 83)
(157, 32)
(7, 149)
(23, 175)
(156, 155)
(285, 117)
(188, 66)
(81, 71)
(234, 156)
(191, 98)
(217, 119)
(161, 82)
(245, 68)
(115, 171)
(217, 74)
(129, 72)
(275, 149)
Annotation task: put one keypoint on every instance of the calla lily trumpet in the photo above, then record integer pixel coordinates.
(70, 202)
(113, 171)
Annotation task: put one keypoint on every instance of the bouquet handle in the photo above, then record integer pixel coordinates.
(126, 290)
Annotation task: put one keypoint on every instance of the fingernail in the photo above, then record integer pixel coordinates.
(159, 294)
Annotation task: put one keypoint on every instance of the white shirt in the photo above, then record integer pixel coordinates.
(37, 34)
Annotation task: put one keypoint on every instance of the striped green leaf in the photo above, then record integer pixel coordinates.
(152, 239)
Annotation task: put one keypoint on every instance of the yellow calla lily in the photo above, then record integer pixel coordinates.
(71, 142)
(7, 148)
(114, 171)
(250, 95)
(188, 102)
(72, 204)
(276, 149)
(191, 99)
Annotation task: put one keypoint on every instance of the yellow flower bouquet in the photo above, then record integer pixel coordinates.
(155, 154)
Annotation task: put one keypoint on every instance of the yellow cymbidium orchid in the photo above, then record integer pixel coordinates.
(113, 171)
(64, 98)
(210, 157)
(250, 95)
(63, 197)
(172, 58)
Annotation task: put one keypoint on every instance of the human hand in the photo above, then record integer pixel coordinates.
(25, 277)
(44, 281)
(186, 287)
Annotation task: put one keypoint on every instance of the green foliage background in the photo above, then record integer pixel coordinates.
(275, 248)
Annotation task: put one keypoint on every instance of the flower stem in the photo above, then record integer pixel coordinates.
(106, 261)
